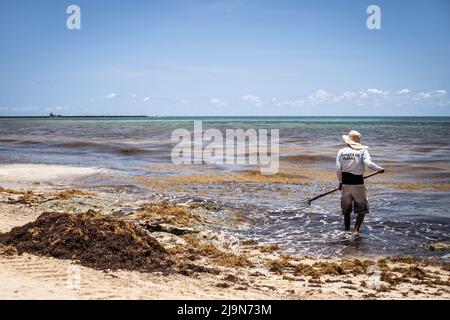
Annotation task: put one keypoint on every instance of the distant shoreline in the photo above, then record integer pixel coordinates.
(213, 117)
(64, 117)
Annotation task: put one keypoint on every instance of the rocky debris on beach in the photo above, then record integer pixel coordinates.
(163, 227)
(94, 240)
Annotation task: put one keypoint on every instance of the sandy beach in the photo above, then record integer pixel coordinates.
(205, 264)
(225, 150)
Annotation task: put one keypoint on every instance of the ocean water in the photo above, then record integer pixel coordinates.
(401, 222)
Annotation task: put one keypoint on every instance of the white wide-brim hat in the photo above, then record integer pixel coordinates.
(353, 139)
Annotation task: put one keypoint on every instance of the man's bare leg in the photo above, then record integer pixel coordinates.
(347, 220)
(358, 223)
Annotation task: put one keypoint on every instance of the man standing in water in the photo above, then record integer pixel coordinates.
(351, 162)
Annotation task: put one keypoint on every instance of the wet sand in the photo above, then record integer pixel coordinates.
(41, 172)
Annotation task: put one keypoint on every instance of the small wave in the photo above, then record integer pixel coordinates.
(20, 141)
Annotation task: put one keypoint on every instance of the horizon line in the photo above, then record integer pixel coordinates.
(222, 116)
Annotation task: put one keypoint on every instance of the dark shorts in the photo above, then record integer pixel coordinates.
(354, 198)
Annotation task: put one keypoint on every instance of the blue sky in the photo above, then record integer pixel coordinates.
(225, 57)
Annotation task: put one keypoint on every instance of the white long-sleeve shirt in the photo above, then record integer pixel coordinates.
(354, 161)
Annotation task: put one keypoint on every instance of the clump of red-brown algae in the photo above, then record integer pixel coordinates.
(280, 265)
(402, 259)
(69, 194)
(321, 268)
(269, 248)
(196, 249)
(189, 269)
(166, 213)
(393, 271)
(249, 242)
(11, 191)
(26, 198)
(414, 272)
(332, 268)
(8, 251)
(94, 240)
(356, 266)
(30, 198)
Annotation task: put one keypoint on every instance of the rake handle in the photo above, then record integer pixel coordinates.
(322, 195)
(334, 190)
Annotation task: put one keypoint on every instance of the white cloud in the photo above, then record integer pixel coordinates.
(111, 95)
(349, 95)
(255, 100)
(146, 99)
(433, 94)
(355, 97)
(404, 91)
(362, 94)
(377, 92)
(321, 93)
(373, 97)
(133, 96)
(217, 102)
(319, 96)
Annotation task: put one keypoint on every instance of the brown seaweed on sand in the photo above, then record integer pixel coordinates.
(270, 248)
(166, 213)
(27, 198)
(197, 249)
(69, 194)
(318, 269)
(94, 240)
